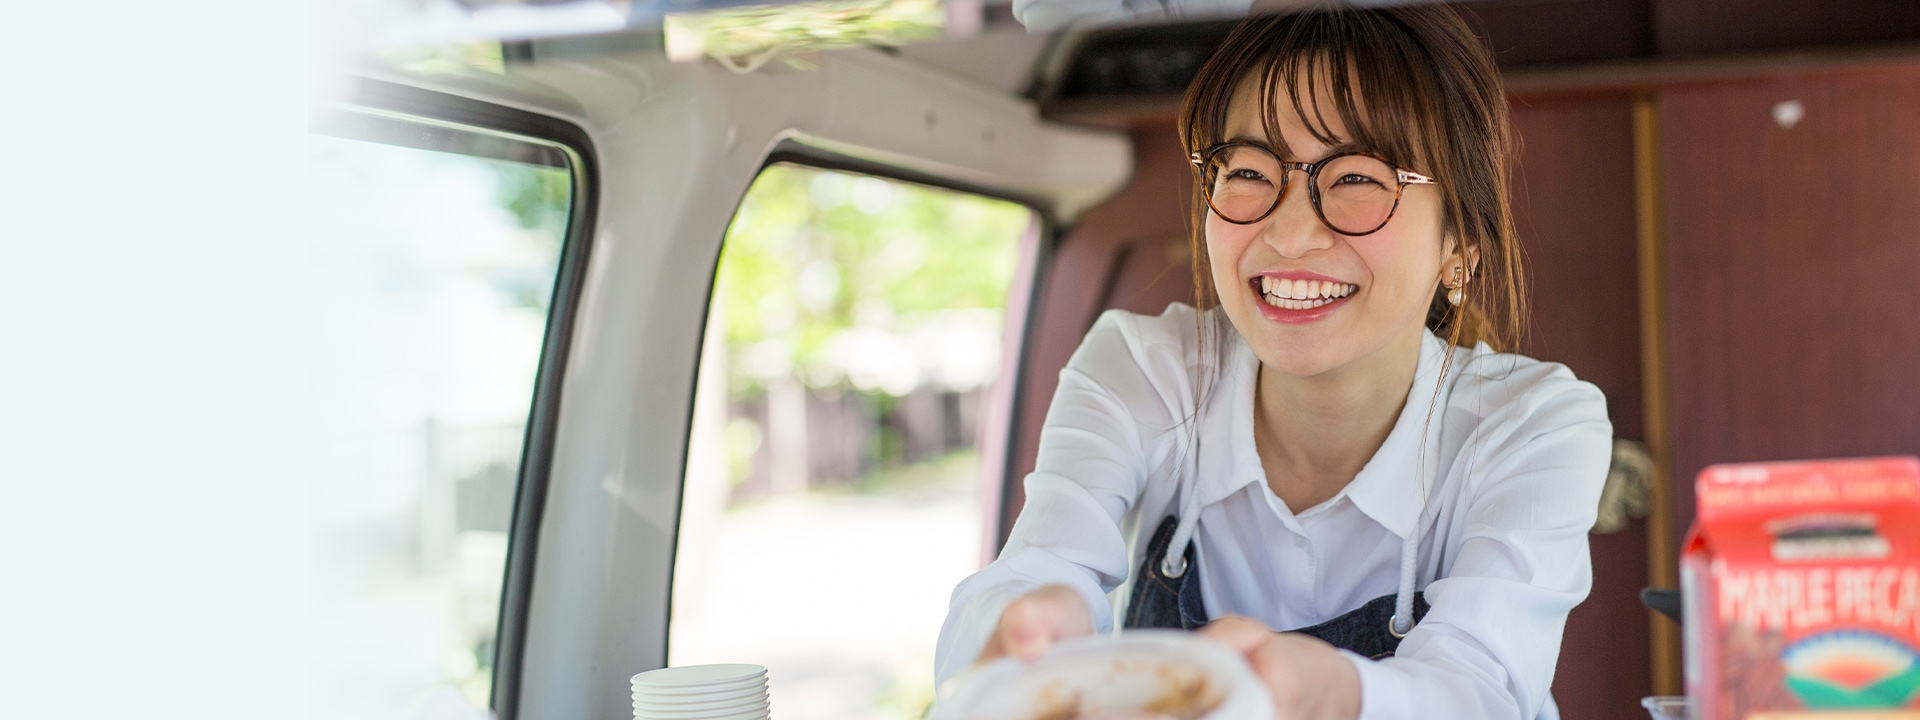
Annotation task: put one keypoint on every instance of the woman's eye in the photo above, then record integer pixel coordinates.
(1246, 174)
(1355, 179)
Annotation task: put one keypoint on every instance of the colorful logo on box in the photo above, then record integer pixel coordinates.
(1852, 669)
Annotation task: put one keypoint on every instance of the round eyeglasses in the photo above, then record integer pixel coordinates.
(1353, 193)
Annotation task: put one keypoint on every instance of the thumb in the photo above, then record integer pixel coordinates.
(1243, 634)
(1043, 617)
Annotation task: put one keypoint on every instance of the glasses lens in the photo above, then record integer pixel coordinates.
(1357, 193)
(1246, 182)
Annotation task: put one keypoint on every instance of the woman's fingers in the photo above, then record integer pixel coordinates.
(1254, 641)
(1306, 677)
(1245, 635)
(1036, 621)
(1257, 643)
(1043, 617)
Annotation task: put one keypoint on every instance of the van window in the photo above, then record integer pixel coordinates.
(832, 489)
(437, 272)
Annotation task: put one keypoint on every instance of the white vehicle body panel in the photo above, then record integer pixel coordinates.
(678, 145)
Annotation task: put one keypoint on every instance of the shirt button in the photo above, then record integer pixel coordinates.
(1300, 541)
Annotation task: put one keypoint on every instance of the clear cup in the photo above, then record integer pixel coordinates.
(1666, 707)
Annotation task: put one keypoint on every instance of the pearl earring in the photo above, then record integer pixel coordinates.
(1457, 292)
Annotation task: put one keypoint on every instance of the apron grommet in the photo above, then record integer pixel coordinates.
(1167, 568)
(1393, 627)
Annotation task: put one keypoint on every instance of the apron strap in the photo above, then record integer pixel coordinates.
(1403, 618)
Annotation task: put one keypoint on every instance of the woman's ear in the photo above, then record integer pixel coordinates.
(1463, 260)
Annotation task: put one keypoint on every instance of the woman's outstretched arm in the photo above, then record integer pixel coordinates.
(1107, 426)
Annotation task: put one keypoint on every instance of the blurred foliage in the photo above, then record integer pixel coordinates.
(744, 37)
(812, 253)
(930, 476)
(537, 196)
(540, 200)
(450, 59)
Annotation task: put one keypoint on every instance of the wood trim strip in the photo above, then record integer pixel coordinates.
(1648, 73)
(1661, 551)
(1603, 76)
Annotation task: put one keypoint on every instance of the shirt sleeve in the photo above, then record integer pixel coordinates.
(1488, 645)
(1091, 467)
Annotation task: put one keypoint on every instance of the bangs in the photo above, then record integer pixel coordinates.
(1364, 66)
(1410, 83)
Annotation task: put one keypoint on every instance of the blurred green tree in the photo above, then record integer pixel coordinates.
(812, 253)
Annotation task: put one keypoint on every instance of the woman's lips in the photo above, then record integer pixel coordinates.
(1299, 300)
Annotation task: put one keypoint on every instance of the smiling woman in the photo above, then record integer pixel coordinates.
(1337, 450)
(1371, 88)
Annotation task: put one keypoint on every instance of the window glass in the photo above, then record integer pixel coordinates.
(437, 270)
(832, 487)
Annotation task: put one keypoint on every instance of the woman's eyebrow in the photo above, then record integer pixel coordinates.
(1349, 146)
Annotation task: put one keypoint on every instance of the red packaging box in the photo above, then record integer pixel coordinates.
(1802, 590)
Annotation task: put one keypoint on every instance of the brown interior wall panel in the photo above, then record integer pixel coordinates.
(1152, 272)
(1524, 32)
(1693, 27)
(1116, 256)
(1573, 202)
(1792, 270)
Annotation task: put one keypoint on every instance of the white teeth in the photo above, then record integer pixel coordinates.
(1291, 304)
(1302, 294)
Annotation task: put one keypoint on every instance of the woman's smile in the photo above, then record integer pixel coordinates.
(1299, 297)
(1316, 299)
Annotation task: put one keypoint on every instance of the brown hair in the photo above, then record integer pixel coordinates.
(1432, 101)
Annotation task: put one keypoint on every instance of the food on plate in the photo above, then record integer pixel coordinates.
(1179, 693)
(1134, 676)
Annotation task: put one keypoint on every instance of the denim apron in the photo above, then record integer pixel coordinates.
(1165, 598)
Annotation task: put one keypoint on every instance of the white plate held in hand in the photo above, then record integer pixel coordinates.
(1139, 672)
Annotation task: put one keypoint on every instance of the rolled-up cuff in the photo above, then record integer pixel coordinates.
(1383, 691)
(1003, 581)
(966, 633)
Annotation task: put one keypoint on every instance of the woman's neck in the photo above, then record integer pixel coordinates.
(1315, 433)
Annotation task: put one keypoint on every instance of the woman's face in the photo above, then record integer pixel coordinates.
(1388, 277)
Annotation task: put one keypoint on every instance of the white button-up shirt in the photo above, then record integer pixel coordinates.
(1498, 467)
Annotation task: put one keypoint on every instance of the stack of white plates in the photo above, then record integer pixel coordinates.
(701, 692)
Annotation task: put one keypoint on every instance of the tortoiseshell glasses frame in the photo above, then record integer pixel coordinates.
(1360, 201)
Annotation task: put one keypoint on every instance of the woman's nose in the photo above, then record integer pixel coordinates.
(1294, 230)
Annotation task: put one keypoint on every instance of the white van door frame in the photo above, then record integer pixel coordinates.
(670, 150)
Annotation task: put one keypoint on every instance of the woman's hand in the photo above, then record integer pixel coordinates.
(1035, 621)
(1308, 678)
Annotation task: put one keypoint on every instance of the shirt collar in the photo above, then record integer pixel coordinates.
(1391, 488)
(1393, 485)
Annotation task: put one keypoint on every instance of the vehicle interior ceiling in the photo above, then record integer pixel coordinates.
(1690, 170)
